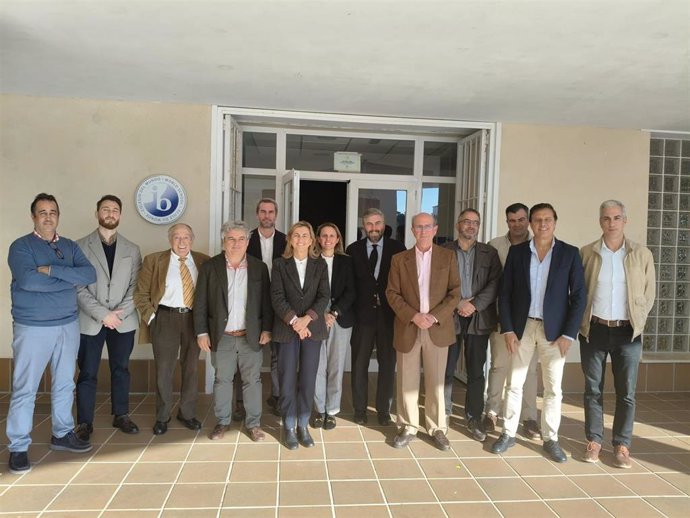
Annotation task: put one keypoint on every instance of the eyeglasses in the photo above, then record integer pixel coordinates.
(57, 251)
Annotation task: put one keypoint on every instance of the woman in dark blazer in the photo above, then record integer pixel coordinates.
(339, 319)
(300, 295)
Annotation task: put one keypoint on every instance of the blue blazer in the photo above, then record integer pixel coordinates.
(565, 297)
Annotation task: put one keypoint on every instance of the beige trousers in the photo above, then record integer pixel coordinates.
(408, 376)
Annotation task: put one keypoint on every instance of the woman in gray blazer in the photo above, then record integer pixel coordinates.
(300, 294)
(339, 319)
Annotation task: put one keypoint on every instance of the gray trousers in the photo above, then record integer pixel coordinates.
(329, 377)
(234, 352)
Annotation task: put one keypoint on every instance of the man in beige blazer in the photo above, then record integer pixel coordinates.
(164, 297)
(423, 291)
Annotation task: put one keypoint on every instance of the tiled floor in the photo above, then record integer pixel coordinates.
(352, 471)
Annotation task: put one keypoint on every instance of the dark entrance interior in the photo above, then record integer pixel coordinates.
(323, 201)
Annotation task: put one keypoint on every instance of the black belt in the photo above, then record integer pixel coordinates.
(536, 319)
(610, 323)
(174, 310)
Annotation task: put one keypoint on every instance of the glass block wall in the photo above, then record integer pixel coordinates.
(668, 237)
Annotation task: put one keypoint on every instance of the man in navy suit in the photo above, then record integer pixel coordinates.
(541, 302)
(374, 325)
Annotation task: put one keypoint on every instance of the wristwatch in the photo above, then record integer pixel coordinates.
(335, 313)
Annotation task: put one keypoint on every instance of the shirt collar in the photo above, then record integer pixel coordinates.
(241, 266)
(55, 239)
(534, 249)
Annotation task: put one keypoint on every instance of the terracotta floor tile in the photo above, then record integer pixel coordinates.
(407, 491)
(117, 453)
(397, 469)
(147, 472)
(250, 494)
(345, 451)
(204, 471)
(381, 450)
(244, 512)
(262, 471)
(27, 498)
(126, 514)
(457, 490)
(195, 495)
(304, 493)
(523, 509)
(302, 470)
(679, 480)
(533, 466)
(165, 452)
(493, 467)
(636, 507)
(305, 512)
(52, 473)
(211, 451)
(356, 492)
(83, 497)
(189, 513)
(601, 486)
(140, 496)
(648, 485)
(500, 489)
(350, 470)
(254, 452)
(341, 434)
(443, 468)
(417, 510)
(422, 448)
(673, 507)
(473, 509)
(102, 473)
(362, 511)
(578, 509)
(555, 487)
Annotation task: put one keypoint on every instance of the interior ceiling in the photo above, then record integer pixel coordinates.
(609, 63)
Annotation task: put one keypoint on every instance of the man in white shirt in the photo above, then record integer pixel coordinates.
(164, 297)
(620, 281)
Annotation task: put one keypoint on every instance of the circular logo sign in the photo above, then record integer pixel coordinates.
(160, 199)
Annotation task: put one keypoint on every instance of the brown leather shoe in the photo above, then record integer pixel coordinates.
(621, 457)
(440, 440)
(592, 452)
(218, 432)
(256, 434)
(402, 439)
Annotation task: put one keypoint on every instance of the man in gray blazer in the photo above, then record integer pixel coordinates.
(107, 314)
(233, 318)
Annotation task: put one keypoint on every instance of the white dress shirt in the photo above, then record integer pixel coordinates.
(237, 296)
(610, 300)
(173, 296)
(538, 276)
(267, 249)
(301, 270)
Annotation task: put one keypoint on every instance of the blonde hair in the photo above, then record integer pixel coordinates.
(288, 253)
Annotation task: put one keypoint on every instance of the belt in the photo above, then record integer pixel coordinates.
(239, 332)
(536, 319)
(174, 310)
(610, 323)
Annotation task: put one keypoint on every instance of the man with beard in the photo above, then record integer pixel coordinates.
(107, 314)
(265, 243)
(374, 326)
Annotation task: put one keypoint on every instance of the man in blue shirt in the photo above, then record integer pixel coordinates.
(46, 270)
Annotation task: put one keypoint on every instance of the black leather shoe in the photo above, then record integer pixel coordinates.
(304, 437)
(19, 462)
(84, 431)
(329, 422)
(476, 428)
(192, 424)
(385, 420)
(360, 418)
(402, 439)
(291, 442)
(317, 420)
(503, 443)
(160, 427)
(125, 424)
(553, 449)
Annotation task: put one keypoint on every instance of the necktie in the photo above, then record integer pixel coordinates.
(373, 258)
(187, 284)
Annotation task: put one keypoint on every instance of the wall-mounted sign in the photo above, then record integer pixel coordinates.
(347, 161)
(160, 199)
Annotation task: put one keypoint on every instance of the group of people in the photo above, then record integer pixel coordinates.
(308, 299)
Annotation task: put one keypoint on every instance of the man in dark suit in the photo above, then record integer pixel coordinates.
(164, 297)
(267, 243)
(475, 317)
(541, 302)
(374, 324)
(233, 319)
(423, 290)
(107, 314)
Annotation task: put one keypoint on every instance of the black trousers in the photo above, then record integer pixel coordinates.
(364, 337)
(298, 363)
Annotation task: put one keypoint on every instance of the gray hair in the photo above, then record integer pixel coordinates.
(172, 229)
(234, 224)
(372, 211)
(612, 203)
(424, 214)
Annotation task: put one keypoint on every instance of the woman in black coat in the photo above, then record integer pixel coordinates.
(300, 295)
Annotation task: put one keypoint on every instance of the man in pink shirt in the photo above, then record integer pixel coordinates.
(423, 291)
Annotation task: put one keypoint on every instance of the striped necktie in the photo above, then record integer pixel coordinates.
(187, 284)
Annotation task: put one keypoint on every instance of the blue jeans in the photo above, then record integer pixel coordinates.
(625, 359)
(120, 347)
(34, 347)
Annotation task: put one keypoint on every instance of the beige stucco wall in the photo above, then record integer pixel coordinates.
(575, 169)
(79, 150)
